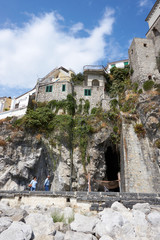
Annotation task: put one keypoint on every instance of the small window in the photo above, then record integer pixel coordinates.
(87, 92)
(113, 65)
(48, 88)
(125, 63)
(145, 44)
(63, 87)
(131, 51)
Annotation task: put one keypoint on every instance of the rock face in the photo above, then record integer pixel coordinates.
(118, 222)
(137, 158)
(23, 155)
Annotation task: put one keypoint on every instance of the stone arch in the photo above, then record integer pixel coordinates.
(95, 82)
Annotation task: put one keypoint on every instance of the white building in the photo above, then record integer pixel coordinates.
(118, 64)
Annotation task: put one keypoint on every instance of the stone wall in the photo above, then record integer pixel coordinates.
(84, 201)
(97, 97)
(56, 94)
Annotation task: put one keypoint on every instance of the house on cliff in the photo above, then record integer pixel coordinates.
(117, 64)
(58, 84)
(144, 54)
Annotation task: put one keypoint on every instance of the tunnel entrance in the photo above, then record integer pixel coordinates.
(112, 160)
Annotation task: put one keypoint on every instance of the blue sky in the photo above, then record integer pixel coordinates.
(38, 35)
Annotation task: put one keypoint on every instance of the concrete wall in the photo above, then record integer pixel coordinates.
(56, 94)
(22, 101)
(142, 60)
(13, 113)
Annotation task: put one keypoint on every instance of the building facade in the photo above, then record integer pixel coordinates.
(118, 64)
(144, 54)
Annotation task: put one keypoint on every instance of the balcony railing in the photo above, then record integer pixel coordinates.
(93, 67)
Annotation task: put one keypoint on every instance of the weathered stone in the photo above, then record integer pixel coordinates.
(143, 207)
(83, 223)
(18, 231)
(78, 236)
(154, 218)
(59, 236)
(5, 222)
(41, 224)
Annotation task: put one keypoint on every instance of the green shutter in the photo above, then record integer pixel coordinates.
(125, 63)
(87, 92)
(48, 88)
(113, 65)
(63, 87)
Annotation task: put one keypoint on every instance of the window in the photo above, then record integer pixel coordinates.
(113, 65)
(87, 92)
(145, 44)
(125, 63)
(95, 82)
(63, 87)
(48, 88)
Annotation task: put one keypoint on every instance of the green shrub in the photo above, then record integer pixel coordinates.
(148, 85)
(135, 87)
(86, 107)
(157, 143)
(57, 217)
(139, 130)
(140, 91)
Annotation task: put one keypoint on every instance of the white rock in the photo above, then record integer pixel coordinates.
(143, 207)
(141, 225)
(109, 221)
(17, 231)
(59, 236)
(154, 218)
(41, 224)
(83, 223)
(119, 207)
(106, 238)
(78, 236)
(5, 222)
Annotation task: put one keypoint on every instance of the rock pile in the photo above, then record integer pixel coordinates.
(51, 223)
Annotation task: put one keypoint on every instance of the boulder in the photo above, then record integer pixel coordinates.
(109, 220)
(59, 236)
(17, 231)
(143, 207)
(84, 224)
(78, 236)
(5, 222)
(154, 218)
(41, 224)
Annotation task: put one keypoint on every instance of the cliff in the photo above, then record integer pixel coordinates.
(65, 141)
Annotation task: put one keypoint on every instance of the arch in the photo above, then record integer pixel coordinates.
(95, 82)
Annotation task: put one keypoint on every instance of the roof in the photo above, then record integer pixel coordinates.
(54, 70)
(152, 10)
(25, 93)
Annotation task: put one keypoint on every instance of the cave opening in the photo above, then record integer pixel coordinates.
(112, 160)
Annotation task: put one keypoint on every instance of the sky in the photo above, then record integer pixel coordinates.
(37, 36)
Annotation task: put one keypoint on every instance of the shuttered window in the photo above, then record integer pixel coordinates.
(48, 88)
(87, 92)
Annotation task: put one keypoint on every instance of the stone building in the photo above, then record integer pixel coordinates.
(144, 54)
(54, 86)
(57, 85)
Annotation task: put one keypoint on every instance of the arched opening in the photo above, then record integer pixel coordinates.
(110, 182)
(95, 83)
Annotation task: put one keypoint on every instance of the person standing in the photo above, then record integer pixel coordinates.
(33, 184)
(47, 183)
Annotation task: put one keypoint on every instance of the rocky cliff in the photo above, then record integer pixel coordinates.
(65, 141)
